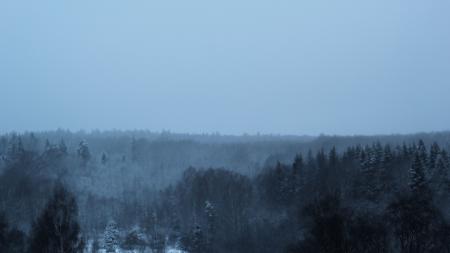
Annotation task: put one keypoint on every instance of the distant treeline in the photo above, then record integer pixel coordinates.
(69, 192)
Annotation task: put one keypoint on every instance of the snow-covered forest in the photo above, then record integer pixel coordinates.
(224, 126)
(139, 191)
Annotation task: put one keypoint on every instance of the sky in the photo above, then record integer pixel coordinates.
(274, 67)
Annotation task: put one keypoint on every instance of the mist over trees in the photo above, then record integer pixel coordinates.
(150, 192)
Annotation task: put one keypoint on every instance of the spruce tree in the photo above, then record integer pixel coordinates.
(298, 175)
(310, 171)
(378, 156)
(435, 150)
(363, 159)
(298, 165)
(369, 183)
(440, 181)
(322, 172)
(332, 174)
(417, 181)
(283, 188)
(421, 152)
(111, 237)
(311, 162)
(385, 179)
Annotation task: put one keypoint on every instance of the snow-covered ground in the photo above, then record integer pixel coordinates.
(148, 250)
(173, 250)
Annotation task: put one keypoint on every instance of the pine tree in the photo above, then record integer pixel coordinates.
(298, 175)
(54, 152)
(363, 160)
(11, 240)
(332, 170)
(134, 150)
(378, 156)
(440, 180)
(198, 241)
(387, 156)
(369, 182)
(416, 223)
(15, 151)
(298, 165)
(310, 172)
(327, 170)
(417, 181)
(62, 147)
(33, 142)
(174, 220)
(83, 152)
(104, 158)
(311, 162)
(47, 145)
(3, 233)
(111, 237)
(421, 151)
(17, 241)
(20, 148)
(95, 246)
(435, 150)
(405, 151)
(56, 229)
(385, 179)
(283, 190)
(157, 242)
(321, 159)
(135, 239)
(322, 172)
(211, 223)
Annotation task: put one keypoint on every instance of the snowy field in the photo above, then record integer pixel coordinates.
(167, 250)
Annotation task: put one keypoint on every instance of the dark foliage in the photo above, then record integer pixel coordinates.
(11, 239)
(57, 229)
(338, 194)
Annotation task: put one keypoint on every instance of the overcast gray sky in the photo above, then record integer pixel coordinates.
(288, 67)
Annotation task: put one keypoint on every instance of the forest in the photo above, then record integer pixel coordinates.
(141, 191)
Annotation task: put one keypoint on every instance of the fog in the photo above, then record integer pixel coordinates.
(289, 67)
(224, 126)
